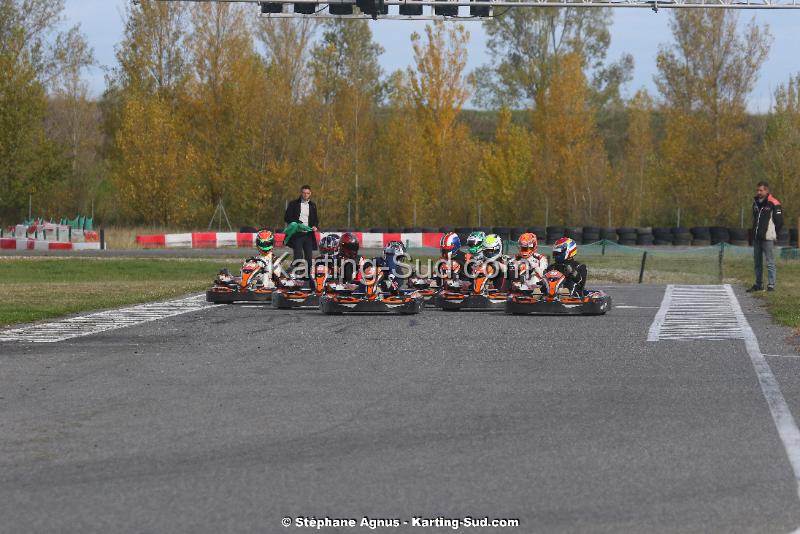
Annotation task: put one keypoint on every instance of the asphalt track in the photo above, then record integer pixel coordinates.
(229, 419)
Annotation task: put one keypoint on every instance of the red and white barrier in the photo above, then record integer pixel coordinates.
(246, 240)
(39, 244)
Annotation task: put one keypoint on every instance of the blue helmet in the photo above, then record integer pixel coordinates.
(564, 249)
(450, 243)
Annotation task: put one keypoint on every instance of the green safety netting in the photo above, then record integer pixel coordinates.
(612, 262)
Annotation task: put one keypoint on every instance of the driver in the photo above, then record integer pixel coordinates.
(348, 261)
(496, 262)
(265, 243)
(564, 252)
(394, 274)
(528, 266)
(452, 263)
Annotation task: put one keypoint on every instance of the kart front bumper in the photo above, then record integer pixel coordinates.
(336, 304)
(225, 295)
(285, 299)
(596, 304)
(459, 301)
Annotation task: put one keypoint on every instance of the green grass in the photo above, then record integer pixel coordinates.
(40, 288)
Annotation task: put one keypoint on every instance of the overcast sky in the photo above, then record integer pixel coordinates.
(637, 31)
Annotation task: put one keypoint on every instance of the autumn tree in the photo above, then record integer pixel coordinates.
(435, 92)
(636, 193)
(781, 148)
(151, 164)
(223, 112)
(347, 89)
(704, 78)
(525, 46)
(31, 57)
(505, 174)
(571, 162)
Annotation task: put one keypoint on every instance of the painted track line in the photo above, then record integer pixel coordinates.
(781, 415)
(689, 323)
(95, 323)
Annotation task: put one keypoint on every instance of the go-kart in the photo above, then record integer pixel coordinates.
(292, 293)
(254, 284)
(428, 288)
(368, 297)
(552, 297)
(475, 294)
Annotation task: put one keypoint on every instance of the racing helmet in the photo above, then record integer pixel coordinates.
(348, 245)
(475, 242)
(394, 248)
(492, 246)
(329, 244)
(265, 240)
(527, 244)
(450, 243)
(564, 249)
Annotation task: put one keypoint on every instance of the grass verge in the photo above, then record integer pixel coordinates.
(34, 289)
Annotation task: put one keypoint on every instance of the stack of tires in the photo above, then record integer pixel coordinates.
(503, 231)
(591, 234)
(627, 236)
(783, 238)
(644, 236)
(540, 231)
(738, 237)
(554, 233)
(719, 234)
(575, 233)
(681, 237)
(516, 232)
(609, 234)
(662, 236)
(701, 236)
(446, 229)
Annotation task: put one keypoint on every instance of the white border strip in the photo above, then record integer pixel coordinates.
(781, 415)
(658, 322)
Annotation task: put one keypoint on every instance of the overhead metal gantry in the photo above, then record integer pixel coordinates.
(470, 10)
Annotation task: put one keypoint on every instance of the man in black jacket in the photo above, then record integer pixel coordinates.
(303, 211)
(767, 223)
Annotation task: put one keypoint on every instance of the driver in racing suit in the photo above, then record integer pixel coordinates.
(265, 243)
(564, 252)
(452, 263)
(528, 266)
(494, 259)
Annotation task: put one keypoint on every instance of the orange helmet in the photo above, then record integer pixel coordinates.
(527, 244)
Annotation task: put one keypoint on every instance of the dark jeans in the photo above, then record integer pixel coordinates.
(764, 248)
(303, 250)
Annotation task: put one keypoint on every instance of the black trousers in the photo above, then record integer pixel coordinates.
(303, 250)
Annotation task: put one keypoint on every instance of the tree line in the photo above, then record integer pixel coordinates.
(210, 103)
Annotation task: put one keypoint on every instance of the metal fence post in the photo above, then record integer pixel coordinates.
(603, 253)
(641, 270)
(102, 238)
(721, 255)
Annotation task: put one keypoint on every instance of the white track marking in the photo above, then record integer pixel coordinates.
(695, 312)
(781, 415)
(677, 303)
(94, 323)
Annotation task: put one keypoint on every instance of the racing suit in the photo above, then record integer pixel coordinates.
(575, 274)
(530, 270)
(271, 266)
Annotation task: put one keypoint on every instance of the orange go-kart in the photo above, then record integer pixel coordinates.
(474, 294)
(552, 297)
(368, 297)
(254, 284)
(428, 288)
(291, 293)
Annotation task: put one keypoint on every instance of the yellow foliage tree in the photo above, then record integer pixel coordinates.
(571, 163)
